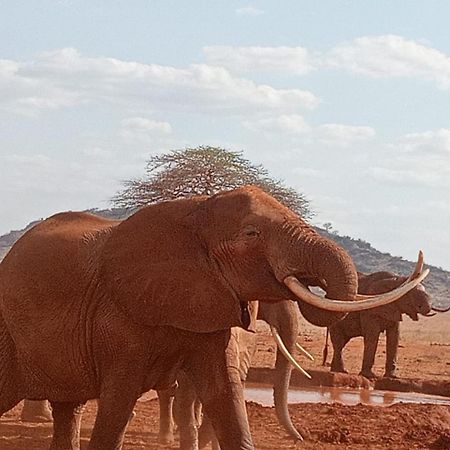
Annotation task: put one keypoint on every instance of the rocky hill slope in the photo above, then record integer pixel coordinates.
(366, 258)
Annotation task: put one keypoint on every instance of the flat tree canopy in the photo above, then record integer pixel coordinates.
(203, 170)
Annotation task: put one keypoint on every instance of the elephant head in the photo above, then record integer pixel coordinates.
(191, 263)
(416, 301)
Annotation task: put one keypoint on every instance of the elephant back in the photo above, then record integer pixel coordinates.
(45, 282)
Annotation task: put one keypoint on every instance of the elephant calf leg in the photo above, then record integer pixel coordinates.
(185, 403)
(166, 425)
(370, 349)
(214, 371)
(66, 425)
(339, 341)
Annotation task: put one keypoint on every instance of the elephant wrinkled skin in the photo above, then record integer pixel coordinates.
(371, 323)
(96, 308)
(284, 316)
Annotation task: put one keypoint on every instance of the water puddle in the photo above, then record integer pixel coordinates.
(264, 396)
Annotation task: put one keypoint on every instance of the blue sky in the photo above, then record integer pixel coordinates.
(347, 101)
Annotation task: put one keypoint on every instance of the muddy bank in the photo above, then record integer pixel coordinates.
(263, 394)
(327, 378)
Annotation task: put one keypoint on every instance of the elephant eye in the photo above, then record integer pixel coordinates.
(251, 231)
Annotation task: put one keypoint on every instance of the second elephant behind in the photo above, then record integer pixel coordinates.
(370, 324)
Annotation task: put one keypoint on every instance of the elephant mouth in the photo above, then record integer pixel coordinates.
(413, 316)
(362, 302)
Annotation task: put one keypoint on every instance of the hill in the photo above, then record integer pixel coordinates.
(367, 259)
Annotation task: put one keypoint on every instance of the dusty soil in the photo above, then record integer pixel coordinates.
(424, 354)
(328, 427)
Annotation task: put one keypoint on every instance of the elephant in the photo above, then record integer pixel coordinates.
(371, 323)
(94, 308)
(283, 317)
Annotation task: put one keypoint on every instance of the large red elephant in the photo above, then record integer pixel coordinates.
(95, 308)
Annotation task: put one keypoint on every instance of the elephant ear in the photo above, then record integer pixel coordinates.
(379, 283)
(157, 270)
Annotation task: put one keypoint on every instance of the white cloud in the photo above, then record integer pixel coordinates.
(143, 129)
(428, 142)
(391, 56)
(65, 78)
(343, 135)
(26, 95)
(295, 60)
(37, 160)
(295, 126)
(249, 11)
(384, 56)
(406, 176)
(416, 159)
(96, 152)
(292, 124)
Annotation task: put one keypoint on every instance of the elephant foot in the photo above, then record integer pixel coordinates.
(390, 375)
(369, 375)
(338, 369)
(166, 438)
(36, 412)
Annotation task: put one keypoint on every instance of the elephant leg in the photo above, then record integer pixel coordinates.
(392, 341)
(339, 340)
(185, 403)
(66, 425)
(213, 368)
(36, 411)
(166, 424)
(371, 335)
(115, 410)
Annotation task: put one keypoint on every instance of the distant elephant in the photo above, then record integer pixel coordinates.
(371, 323)
(97, 308)
(283, 317)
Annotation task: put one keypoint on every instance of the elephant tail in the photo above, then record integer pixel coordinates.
(325, 349)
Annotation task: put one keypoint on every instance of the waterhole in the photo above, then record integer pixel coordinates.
(263, 395)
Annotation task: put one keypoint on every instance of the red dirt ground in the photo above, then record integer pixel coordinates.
(424, 353)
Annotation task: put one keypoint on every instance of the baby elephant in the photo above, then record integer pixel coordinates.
(371, 323)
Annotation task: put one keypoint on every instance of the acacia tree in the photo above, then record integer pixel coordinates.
(203, 170)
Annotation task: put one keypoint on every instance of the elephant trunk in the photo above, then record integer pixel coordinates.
(317, 261)
(326, 261)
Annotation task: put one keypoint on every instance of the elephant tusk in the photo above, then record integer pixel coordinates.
(440, 310)
(286, 353)
(430, 314)
(304, 294)
(304, 352)
(418, 269)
